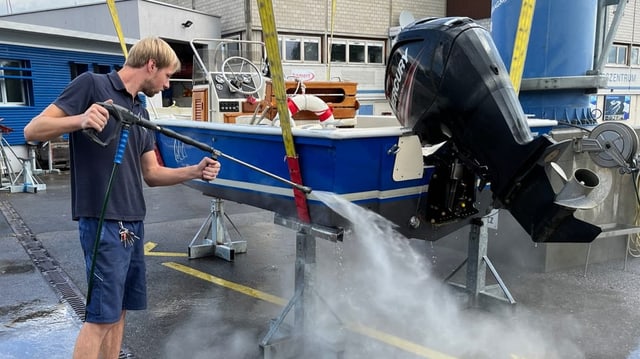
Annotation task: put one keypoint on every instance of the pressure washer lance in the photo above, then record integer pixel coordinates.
(125, 116)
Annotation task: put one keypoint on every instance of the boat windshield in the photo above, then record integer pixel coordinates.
(210, 55)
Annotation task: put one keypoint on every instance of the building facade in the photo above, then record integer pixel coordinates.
(362, 28)
(327, 39)
(330, 39)
(36, 64)
(620, 100)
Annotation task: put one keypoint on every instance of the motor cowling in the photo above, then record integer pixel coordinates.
(446, 81)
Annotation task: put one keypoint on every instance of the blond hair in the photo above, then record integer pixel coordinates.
(152, 48)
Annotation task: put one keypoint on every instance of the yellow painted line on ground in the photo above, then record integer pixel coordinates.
(397, 342)
(149, 246)
(225, 283)
(389, 339)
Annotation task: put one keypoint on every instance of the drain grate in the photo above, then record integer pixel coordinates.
(50, 269)
(54, 277)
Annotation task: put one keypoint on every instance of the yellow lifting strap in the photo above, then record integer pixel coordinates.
(521, 43)
(116, 23)
(267, 19)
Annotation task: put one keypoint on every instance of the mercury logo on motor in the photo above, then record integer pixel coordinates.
(397, 81)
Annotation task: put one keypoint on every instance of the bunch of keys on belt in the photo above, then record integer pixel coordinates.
(126, 236)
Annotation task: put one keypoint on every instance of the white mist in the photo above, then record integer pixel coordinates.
(381, 280)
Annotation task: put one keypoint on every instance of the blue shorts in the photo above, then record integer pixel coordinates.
(119, 277)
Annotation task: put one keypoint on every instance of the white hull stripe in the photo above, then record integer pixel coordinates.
(352, 197)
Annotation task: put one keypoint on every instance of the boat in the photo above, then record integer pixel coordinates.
(455, 147)
(370, 160)
(379, 167)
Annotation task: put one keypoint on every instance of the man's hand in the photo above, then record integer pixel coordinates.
(95, 117)
(208, 169)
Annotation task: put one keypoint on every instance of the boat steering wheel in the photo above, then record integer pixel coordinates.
(240, 73)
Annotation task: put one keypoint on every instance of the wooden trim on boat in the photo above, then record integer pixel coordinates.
(200, 104)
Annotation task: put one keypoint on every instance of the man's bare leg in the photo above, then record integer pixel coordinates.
(99, 339)
(112, 343)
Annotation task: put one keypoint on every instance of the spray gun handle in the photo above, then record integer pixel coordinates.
(93, 135)
(121, 115)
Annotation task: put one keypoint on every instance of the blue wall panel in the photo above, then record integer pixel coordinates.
(51, 73)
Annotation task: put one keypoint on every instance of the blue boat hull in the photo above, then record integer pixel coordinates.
(354, 163)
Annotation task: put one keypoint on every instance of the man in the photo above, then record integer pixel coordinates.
(118, 283)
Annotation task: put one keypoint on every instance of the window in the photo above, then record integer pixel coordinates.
(618, 54)
(77, 68)
(301, 49)
(232, 49)
(15, 82)
(296, 48)
(635, 56)
(375, 52)
(357, 51)
(338, 51)
(101, 69)
(312, 50)
(228, 47)
(292, 49)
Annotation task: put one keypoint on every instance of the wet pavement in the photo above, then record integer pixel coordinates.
(34, 322)
(389, 301)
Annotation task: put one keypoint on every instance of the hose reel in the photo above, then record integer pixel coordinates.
(612, 144)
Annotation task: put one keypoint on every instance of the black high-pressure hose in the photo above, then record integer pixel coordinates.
(127, 118)
(124, 136)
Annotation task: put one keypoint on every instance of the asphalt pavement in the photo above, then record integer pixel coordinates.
(383, 301)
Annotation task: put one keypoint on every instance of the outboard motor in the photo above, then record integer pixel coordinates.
(446, 80)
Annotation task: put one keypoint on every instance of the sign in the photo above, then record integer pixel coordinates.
(303, 74)
(491, 219)
(616, 107)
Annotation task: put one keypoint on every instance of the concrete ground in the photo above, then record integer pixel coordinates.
(377, 295)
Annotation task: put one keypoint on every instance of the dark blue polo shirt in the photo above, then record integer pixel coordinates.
(92, 164)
